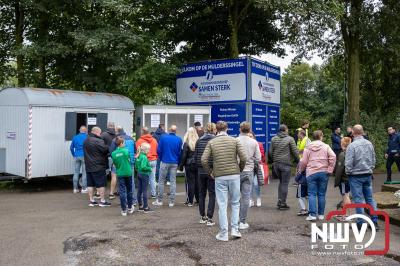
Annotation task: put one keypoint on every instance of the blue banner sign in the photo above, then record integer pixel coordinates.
(233, 114)
(259, 122)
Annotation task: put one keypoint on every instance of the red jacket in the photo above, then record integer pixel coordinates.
(262, 152)
(152, 155)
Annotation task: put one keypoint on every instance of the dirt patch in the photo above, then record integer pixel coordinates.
(83, 242)
(186, 247)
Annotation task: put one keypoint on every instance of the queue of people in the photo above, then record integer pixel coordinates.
(225, 168)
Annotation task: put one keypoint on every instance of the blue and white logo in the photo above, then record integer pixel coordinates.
(266, 76)
(209, 75)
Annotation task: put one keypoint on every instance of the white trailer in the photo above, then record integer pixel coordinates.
(182, 116)
(37, 126)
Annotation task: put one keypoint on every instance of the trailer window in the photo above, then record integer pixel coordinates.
(73, 122)
(81, 120)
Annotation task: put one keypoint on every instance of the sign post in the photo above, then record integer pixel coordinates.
(238, 90)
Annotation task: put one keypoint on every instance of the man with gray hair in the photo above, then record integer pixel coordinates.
(359, 164)
(282, 151)
(77, 152)
(96, 162)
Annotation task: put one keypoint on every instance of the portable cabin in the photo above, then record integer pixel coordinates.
(182, 116)
(37, 126)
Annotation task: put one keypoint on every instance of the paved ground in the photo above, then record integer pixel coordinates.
(48, 225)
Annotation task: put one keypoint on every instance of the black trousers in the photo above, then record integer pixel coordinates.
(390, 160)
(206, 184)
(192, 185)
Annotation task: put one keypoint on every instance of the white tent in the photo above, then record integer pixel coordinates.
(37, 126)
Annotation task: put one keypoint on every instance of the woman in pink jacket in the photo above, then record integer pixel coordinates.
(318, 161)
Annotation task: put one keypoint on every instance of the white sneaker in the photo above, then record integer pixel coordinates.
(84, 191)
(131, 210)
(168, 183)
(311, 218)
(124, 213)
(243, 226)
(171, 204)
(157, 203)
(76, 191)
(321, 217)
(251, 203)
(222, 238)
(236, 233)
(258, 202)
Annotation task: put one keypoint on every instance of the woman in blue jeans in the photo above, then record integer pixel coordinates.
(318, 161)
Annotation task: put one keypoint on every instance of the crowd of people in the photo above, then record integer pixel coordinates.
(226, 169)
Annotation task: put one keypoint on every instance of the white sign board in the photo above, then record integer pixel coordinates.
(198, 118)
(155, 120)
(265, 82)
(210, 82)
(92, 121)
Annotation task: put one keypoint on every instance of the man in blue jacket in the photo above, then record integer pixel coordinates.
(169, 152)
(79, 162)
(392, 154)
(336, 141)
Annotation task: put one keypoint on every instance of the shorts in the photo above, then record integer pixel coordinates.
(96, 179)
(344, 187)
(111, 166)
(302, 191)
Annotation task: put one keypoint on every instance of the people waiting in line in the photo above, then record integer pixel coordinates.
(253, 155)
(144, 169)
(282, 151)
(76, 148)
(122, 161)
(96, 163)
(169, 152)
(189, 163)
(225, 151)
(359, 165)
(206, 182)
(255, 198)
(130, 145)
(199, 129)
(151, 156)
(108, 136)
(341, 179)
(336, 141)
(318, 161)
(392, 154)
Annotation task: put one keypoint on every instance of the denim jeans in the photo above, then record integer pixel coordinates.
(246, 182)
(167, 169)
(222, 189)
(152, 178)
(256, 189)
(133, 184)
(283, 172)
(361, 189)
(158, 172)
(317, 185)
(143, 181)
(125, 191)
(78, 163)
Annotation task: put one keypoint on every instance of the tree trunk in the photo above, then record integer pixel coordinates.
(43, 36)
(233, 42)
(19, 39)
(353, 84)
(234, 25)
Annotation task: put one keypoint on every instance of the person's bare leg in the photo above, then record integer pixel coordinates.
(113, 183)
(91, 189)
(101, 190)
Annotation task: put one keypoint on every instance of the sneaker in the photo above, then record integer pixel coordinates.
(96, 196)
(93, 204)
(84, 191)
(105, 204)
(203, 220)
(141, 209)
(190, 204)
(236, 234)
(168, 183)
(111, 196)
(221, 237)
(153, 197)
(258, 204)
(157, 203)
(210, 222)
(302, 212)
(76, 191)
(321, 217)
(124, 213)
(171, 204)
(147, 210)
(279, 203)
(311, 218)
(243, 226)
(131, 210)
(251, 203)
(284, 207)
